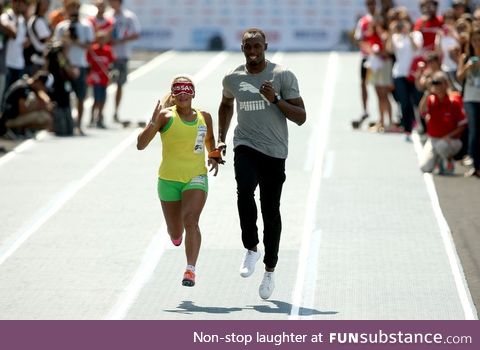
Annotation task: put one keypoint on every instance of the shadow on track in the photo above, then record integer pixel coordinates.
(277, 307)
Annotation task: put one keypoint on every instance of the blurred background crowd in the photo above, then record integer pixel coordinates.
(423, 69)
(426, 76)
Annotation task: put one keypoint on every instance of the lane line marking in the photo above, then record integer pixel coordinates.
(319, 141)
(464, 295)
(64, 197)
(147, 267)
(157, 246)
(328, 166)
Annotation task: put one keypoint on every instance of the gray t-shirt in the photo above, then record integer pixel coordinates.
(261, 124)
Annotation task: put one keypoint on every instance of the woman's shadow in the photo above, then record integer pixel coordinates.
(275, 307)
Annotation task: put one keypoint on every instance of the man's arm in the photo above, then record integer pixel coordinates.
(225, 114)
(294, 110)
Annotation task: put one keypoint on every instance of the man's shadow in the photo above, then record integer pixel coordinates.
(275, 307)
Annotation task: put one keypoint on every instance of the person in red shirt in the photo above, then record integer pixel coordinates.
(445, 120)
(429, 23)
(363, 36)
(100, 57)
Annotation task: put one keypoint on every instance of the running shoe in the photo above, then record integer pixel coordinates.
(177, 242)
(188, 278)
(267, 286)
(248, 264)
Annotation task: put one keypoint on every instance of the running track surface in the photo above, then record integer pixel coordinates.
(82, 234)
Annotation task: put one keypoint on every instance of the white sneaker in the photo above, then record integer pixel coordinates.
(267, 286)
(249, 260)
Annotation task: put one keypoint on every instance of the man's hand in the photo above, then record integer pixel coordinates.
(222, 147)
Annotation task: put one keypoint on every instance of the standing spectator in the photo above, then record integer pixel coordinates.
(15, 61)
(380, 63)
(63, 73)
(7, 30)
(469, 71)
(448, 48)
(363, 36)
(429, 23)
(126, 29)
(77, 35)
(39, 33)
(445, 123)
(27, 104)
(267, 97)
(404, 44)
(100, 22)
(100, 57)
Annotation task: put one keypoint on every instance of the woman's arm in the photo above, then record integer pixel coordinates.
(156, 124)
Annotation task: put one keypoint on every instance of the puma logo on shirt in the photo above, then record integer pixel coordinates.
(249, 106)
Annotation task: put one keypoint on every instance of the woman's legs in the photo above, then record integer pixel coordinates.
(192, 205)
(173, 218)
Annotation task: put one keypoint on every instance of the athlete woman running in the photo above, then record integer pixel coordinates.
(182, 177)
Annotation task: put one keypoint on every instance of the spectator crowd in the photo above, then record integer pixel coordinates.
(50, 58)
(429, 67)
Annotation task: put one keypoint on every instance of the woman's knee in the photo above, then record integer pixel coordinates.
(190, 220)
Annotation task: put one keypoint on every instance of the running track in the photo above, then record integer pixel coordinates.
(82, 234)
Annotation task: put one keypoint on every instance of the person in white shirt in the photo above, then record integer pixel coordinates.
(126, 29)
(38, 33)
(77, 34)
(405, 44)
(15, 62)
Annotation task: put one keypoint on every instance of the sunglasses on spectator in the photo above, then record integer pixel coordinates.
(437, 82)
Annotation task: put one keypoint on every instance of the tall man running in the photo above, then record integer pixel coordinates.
(267, 95)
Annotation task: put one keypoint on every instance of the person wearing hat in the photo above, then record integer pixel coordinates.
(27, 104)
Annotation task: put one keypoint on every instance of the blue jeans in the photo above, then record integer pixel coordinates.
(407, 96)
(473, 113)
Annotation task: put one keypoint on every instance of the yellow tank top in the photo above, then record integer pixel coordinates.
(183, 148)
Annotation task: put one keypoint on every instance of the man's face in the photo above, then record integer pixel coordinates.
(253, 47)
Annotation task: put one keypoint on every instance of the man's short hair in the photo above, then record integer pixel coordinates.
(253, 32)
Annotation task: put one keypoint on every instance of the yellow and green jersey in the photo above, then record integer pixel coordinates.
(183, 148)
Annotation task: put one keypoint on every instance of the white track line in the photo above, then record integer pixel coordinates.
(64, 197)
(318, 141)
(469, 309)
(157, 246)
(145, 271)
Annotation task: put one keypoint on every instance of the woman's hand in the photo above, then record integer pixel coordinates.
(213, 164)
(156, 113)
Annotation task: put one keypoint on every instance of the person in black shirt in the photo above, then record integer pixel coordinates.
(27, 104)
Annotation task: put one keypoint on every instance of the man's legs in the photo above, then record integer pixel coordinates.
(247, 181)
(272, 177)
(246, 174)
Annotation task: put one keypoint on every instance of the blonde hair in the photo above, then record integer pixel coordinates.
(168, 100)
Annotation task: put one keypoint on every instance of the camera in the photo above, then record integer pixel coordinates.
(72, 29)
